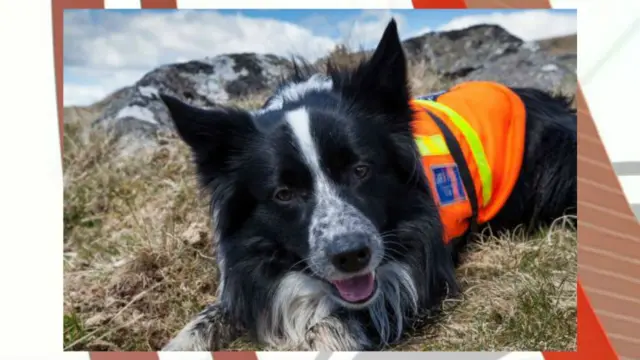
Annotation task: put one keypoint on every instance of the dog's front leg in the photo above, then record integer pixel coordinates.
(210, 330)
(334, 334)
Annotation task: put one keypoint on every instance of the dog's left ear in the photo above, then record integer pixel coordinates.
(216, 137)
(384, 75)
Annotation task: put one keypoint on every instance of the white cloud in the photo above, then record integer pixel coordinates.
(152, 38)
(527, 25)
(118, 49)
(91, 85)
(83, 95)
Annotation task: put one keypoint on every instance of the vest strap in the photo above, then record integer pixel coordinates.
(475, 145)
(465, 175)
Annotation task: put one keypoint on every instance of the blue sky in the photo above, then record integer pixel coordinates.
(107, 49)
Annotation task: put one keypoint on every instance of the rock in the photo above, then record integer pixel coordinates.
(568, 61)
(457, 53)
(138, 112)
(489, 52)
(525, 68)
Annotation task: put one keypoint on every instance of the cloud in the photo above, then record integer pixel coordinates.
(89, 85)
(152, 38)
(528, 24)
(99, 46)
(82, 95)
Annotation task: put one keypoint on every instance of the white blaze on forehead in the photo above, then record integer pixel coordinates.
(300, 124)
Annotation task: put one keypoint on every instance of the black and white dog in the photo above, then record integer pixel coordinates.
(328, 237)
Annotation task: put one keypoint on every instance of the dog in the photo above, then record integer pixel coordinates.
(329, 233)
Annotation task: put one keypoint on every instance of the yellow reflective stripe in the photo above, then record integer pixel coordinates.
(422, 146)
(439, 144)
(474, 143)
(431, 145)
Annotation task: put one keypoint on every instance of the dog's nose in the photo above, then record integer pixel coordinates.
(352, 258)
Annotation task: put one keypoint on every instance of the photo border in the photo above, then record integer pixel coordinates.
(602, 219)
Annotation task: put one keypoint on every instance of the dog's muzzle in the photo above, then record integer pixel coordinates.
(351, 255)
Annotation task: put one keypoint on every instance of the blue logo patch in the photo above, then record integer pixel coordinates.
(448, 184)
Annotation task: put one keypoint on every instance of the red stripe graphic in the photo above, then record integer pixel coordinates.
(236, 355)
(592, 341)
(439, 4)
(159, 4)
(124, 355)
(509, 4)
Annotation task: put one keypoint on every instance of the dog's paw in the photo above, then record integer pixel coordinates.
(332, 334)
(186, 342)
(210, 330)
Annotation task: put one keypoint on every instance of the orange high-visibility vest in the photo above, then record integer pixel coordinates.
(478, 154)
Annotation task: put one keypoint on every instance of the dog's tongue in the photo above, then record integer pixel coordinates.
(356, 288)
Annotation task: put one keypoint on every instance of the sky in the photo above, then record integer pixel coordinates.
(105, 50)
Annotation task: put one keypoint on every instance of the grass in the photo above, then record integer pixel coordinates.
(519, 294)
(138, 263)
(560, 44)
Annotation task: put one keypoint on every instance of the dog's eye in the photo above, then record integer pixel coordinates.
(283, 195)
(361, 171)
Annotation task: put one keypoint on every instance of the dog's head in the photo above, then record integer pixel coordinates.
(321, 179)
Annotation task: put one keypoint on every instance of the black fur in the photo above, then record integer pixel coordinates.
(364, 117)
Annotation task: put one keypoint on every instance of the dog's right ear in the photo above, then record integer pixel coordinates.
(214, 136)
(382, 79)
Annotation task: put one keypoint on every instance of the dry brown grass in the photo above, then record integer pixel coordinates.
(519, 294)
(560, 44)
(138, 262)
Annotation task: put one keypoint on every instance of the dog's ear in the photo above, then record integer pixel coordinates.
(384, 75)
(383, 78)
(215, 136)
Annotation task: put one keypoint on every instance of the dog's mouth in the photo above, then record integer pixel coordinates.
(356, 290)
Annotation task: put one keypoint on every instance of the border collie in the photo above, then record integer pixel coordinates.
(327, 234)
